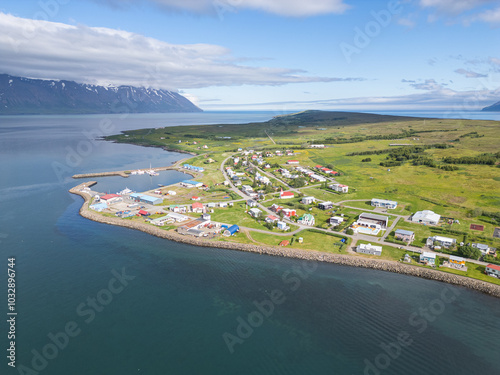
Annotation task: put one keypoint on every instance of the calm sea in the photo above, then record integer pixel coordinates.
(95, 299)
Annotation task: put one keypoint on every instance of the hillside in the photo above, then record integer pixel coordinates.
(34, 96)
(493, 108)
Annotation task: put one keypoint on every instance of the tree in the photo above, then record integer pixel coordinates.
(299, 182)
(349, 231)
(468, 251)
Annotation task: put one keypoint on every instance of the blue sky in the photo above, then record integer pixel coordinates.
(266, 54)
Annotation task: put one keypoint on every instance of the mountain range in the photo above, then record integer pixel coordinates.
(20, 95)
(493, 108)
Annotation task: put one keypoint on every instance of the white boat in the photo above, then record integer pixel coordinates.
(137, 172)
(151, 171)
(124, 191)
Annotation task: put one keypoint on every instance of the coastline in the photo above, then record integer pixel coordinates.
(312, 255)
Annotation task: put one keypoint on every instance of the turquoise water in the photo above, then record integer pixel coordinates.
(181, 302)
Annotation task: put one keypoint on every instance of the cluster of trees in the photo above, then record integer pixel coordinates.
(486, 159)
(467, 251)
(365, 160)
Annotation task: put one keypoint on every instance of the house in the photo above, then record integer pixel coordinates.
(197, 207)
(222, 204)
(457, 261)
(275, 208)
(428, 258)
(426, 217)
(231, 230)
(317, 146)
(282, 225)
(176, 208)
(286, 195)
(171, 192)
(404, 235)
(493, 270)
(440, 241)
(211, 205)
(284, 243)
(271, 219)
(369, 249)
(292, 162)
(111, 198)
(190, 184)
(336, 220)
(251, 203)
(325, 205)
(255, 212)
(308, 200)
(369, 219)
(289, 212)
(307, 219)
(206, 217)
(339, 187)
(195, 198)
(482, 247)
(384, 203)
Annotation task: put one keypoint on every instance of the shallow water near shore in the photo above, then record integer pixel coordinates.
(171, 317)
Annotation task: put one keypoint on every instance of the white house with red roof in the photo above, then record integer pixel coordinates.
(195, 198)
(271, 219)
(292, 162)
(198, 207)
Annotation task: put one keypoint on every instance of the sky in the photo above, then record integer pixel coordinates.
(279, 55)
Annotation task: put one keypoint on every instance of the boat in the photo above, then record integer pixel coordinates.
(137, 172)
(151, 171)
(125, 191)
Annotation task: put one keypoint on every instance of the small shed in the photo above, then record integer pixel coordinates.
(231, 230)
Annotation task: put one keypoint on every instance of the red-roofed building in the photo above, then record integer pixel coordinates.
(271, 219)
(286, 195)
(318, 166)
(144, 213)
(493, 270)
(198, 207)
(111, 198)
(284, 243)
(194, 198)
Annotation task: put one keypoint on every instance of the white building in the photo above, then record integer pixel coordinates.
(339, 187)
(369, 249)
(426, 217)
(336, 220)
(308, 200)
(441, 241)
(384, 203)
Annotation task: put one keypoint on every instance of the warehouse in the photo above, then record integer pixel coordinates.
(190, 184)
(146, 198)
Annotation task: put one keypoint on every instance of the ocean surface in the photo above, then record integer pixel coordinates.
(95, 299)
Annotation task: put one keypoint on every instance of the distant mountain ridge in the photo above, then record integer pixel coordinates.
(493, 108)
(20, 95)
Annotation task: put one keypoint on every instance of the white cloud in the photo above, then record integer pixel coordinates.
(428, 84)
(294, 8)
(453, 7)
(459, 102)
(470, 73)
(49, 50)
(491, 16)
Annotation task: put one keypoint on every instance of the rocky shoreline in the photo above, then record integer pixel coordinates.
(382, 265)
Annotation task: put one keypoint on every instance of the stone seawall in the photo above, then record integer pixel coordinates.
(377, 264)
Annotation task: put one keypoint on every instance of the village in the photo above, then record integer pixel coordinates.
(261, 201)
